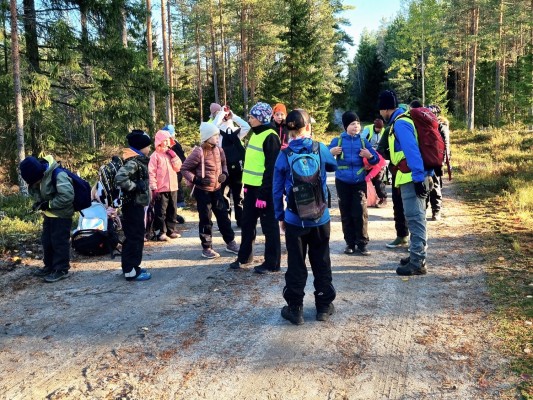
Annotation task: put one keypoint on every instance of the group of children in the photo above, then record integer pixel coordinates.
(262, 172)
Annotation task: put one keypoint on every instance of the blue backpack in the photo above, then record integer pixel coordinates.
(306, 198)
(82, 189)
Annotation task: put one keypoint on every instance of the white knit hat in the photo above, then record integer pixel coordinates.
(207, 130)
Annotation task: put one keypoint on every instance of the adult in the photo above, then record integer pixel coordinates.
(304, 236)
(232, 130)
(350, 149)
(261, 153)
(414, 182)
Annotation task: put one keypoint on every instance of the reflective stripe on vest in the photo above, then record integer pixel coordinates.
(397, 156)
(370, 131)
(254, 160)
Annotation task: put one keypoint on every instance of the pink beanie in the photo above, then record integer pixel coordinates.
(214, 107)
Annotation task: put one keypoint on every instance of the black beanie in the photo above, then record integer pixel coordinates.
(138, 139)
(387, 100)
(348, 117)
(32, 170)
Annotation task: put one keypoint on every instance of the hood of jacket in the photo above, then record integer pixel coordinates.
(161, 136)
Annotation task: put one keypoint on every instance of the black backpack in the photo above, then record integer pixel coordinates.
(82, 189)
(107, 190)
(233, 149)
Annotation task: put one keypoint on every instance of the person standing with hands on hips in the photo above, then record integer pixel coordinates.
(261, 153)
(350, 149)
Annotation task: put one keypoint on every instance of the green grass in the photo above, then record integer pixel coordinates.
(18, 225)
(494, 172)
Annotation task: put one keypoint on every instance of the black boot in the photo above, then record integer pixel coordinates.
(294, 314)
(405, 260)
(418, 268)
(323, 314)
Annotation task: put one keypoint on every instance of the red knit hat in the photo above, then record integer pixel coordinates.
(280, 107)
(378, 123)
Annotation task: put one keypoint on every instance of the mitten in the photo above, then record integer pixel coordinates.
(421, 190)
(222, 178)
(171, 153)
(201, 181)
(260, 203)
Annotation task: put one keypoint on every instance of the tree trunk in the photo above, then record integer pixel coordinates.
(499, 62)
(124, 25)
(472, 69)
(150, 57)
(423, 73)
(170, 66)
(199, 70)
(4, 17)
(19, 111)
(223, 54)
(165, 55)
(213, 52)
(30, 34)
(244, 59)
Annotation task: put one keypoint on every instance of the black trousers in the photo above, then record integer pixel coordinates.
(181, 194)
(55, 239)
(165, 209)
(435, 195)
(354, 214)
(400, 223)
(232, 190)
(133, 227)
(315, 242)
(379, 185)
(207, 204)
(270, 227)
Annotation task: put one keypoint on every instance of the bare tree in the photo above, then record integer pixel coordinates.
(150, 55)
(472, 67)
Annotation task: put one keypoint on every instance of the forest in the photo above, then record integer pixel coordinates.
(78, 74)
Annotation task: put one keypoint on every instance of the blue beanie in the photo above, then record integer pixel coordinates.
(262, 112)
(32, 170)
(170, 129)
(387, 100)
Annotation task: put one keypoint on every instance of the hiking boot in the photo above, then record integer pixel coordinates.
(232, 247)
(398, 242)
(363, 250)
(210, 253)
(293, 314)
(405, 260)
(323, 315)
(56, 276)
(381, 203)
(161, 238)
(180, 220)
(42, 272)
(413, 269)
(235, 265)
(262, 269)
(436, 216)
(349, 250)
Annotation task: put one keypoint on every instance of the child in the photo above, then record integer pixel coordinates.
(162, 169)
(55, 201)
(374, 174)
(178, 149)
(206, 168)
(132, 178)
(278, 123)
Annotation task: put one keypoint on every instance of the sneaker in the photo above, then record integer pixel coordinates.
(363, 250)
(436, 216)
(405, 260)
(180, 204)
(180, 220)
(174, 235)
(235, 265)
(56, 276)
(381, 203)
(349, 250)
(293, 314)
(232, 247)
(325, 314)
(161, 238)
(42, 272)
(210, 253)
(262, 269)
(398, 242)
(413, 269)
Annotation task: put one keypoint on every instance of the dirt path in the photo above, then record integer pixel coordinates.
(198, 330)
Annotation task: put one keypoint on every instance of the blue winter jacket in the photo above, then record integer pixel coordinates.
(405, 140)
(283, 181)
(350, 163)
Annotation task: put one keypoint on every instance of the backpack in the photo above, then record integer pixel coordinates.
(96, 233)
(233, 149)
(108, 193)
(432, 147)
(82, 189)
(306, 197)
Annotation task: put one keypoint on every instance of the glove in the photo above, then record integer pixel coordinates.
(201, 181)
(222, 178)
(421, 190)
(244, 190)
(140, 186)
(40, 205)
(171, 153)
(260, 203)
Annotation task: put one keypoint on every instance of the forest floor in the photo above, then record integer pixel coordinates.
(199, 330)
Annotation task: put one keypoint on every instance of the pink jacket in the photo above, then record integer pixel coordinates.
(163, 169)
(373, 170)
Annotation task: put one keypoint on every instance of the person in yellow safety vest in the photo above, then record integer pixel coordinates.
(373, 133)
(413, 181)
(214, 108)
(261, 154)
